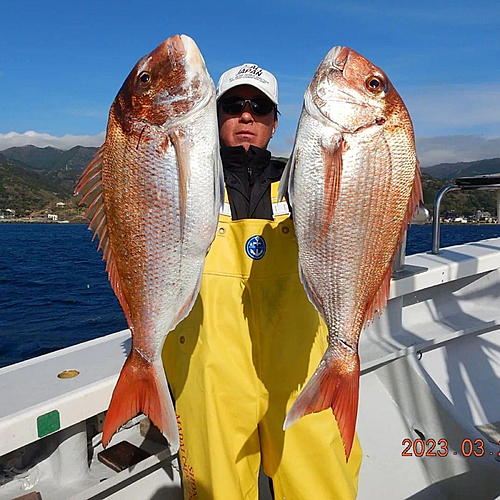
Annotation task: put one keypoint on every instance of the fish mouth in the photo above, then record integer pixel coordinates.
(172, 49)
(341, 58)
(193, 54)
(180, 49)
(175, 44)
(196, 87)
(338, 57)
(176, 50)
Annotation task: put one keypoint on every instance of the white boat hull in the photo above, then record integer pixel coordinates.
(430, 372)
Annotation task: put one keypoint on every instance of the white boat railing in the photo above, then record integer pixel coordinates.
(485, 182)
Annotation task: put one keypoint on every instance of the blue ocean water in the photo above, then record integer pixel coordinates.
(54, 291)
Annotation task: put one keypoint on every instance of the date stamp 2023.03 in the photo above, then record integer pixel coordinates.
(440, 448)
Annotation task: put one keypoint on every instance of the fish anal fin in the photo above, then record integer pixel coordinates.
(188, 305)
(335, 385)
(141, 388)
(114, 279)
(379, 300)
(313, 297)
(182, 154)
(332, 161)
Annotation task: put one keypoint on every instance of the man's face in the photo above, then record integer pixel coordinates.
(246, 128)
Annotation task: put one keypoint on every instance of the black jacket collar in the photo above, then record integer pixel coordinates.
(248, 176)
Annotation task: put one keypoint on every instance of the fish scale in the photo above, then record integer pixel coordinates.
(353, 184)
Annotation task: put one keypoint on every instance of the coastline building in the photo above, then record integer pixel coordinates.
(7, 213)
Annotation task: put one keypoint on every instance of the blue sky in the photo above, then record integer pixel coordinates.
(62, 62)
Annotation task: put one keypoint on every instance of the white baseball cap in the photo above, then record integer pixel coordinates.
(249, 74)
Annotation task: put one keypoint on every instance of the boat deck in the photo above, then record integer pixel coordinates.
(430, 370)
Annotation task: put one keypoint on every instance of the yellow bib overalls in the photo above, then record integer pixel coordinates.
(236, 364)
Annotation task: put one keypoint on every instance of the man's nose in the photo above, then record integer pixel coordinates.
(246, 115)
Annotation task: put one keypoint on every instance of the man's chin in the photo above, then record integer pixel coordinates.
(246, 143)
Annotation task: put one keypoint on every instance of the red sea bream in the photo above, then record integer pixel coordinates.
(354, 183)
(153, 193)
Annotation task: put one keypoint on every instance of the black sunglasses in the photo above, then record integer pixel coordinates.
(234, 105)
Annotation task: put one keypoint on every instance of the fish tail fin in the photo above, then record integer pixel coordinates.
(335, 385)
(142, 387)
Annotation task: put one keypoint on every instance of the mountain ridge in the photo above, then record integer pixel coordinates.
(464, 169)
(50, 158)
(33, 178)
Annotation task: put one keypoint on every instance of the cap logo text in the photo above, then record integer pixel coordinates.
(254, 70)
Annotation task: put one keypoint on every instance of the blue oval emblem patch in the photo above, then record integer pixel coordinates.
(255, 247)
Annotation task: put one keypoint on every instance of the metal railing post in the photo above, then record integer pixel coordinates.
(436, 226)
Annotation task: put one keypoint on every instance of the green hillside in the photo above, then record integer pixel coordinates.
(25, 189)
(34, 179)
(50, 158)
(460, 202)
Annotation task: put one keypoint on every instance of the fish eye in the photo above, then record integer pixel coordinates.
(145, 78)
(375, 84)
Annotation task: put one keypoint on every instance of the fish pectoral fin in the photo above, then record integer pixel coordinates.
(142, 387)
(218, 182)
(332, 386)
(286, 181)
(183, 164)
(332, 162)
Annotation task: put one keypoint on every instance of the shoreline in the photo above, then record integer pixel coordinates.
(40, 221)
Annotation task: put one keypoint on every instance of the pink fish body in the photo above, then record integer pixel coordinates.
(353, 183)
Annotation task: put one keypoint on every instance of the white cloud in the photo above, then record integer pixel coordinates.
(430, 150)
(437, 109)
(456, 148)
(42, 140)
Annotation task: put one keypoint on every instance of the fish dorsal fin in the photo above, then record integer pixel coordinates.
(90, 186)
(182, 154)
(379, 301)
(332, 162)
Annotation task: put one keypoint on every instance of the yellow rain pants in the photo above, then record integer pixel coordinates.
(236, 364)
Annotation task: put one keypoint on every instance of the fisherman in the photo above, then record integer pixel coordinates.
(238, 361)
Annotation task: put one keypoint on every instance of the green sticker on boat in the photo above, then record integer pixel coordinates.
(48, 423)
